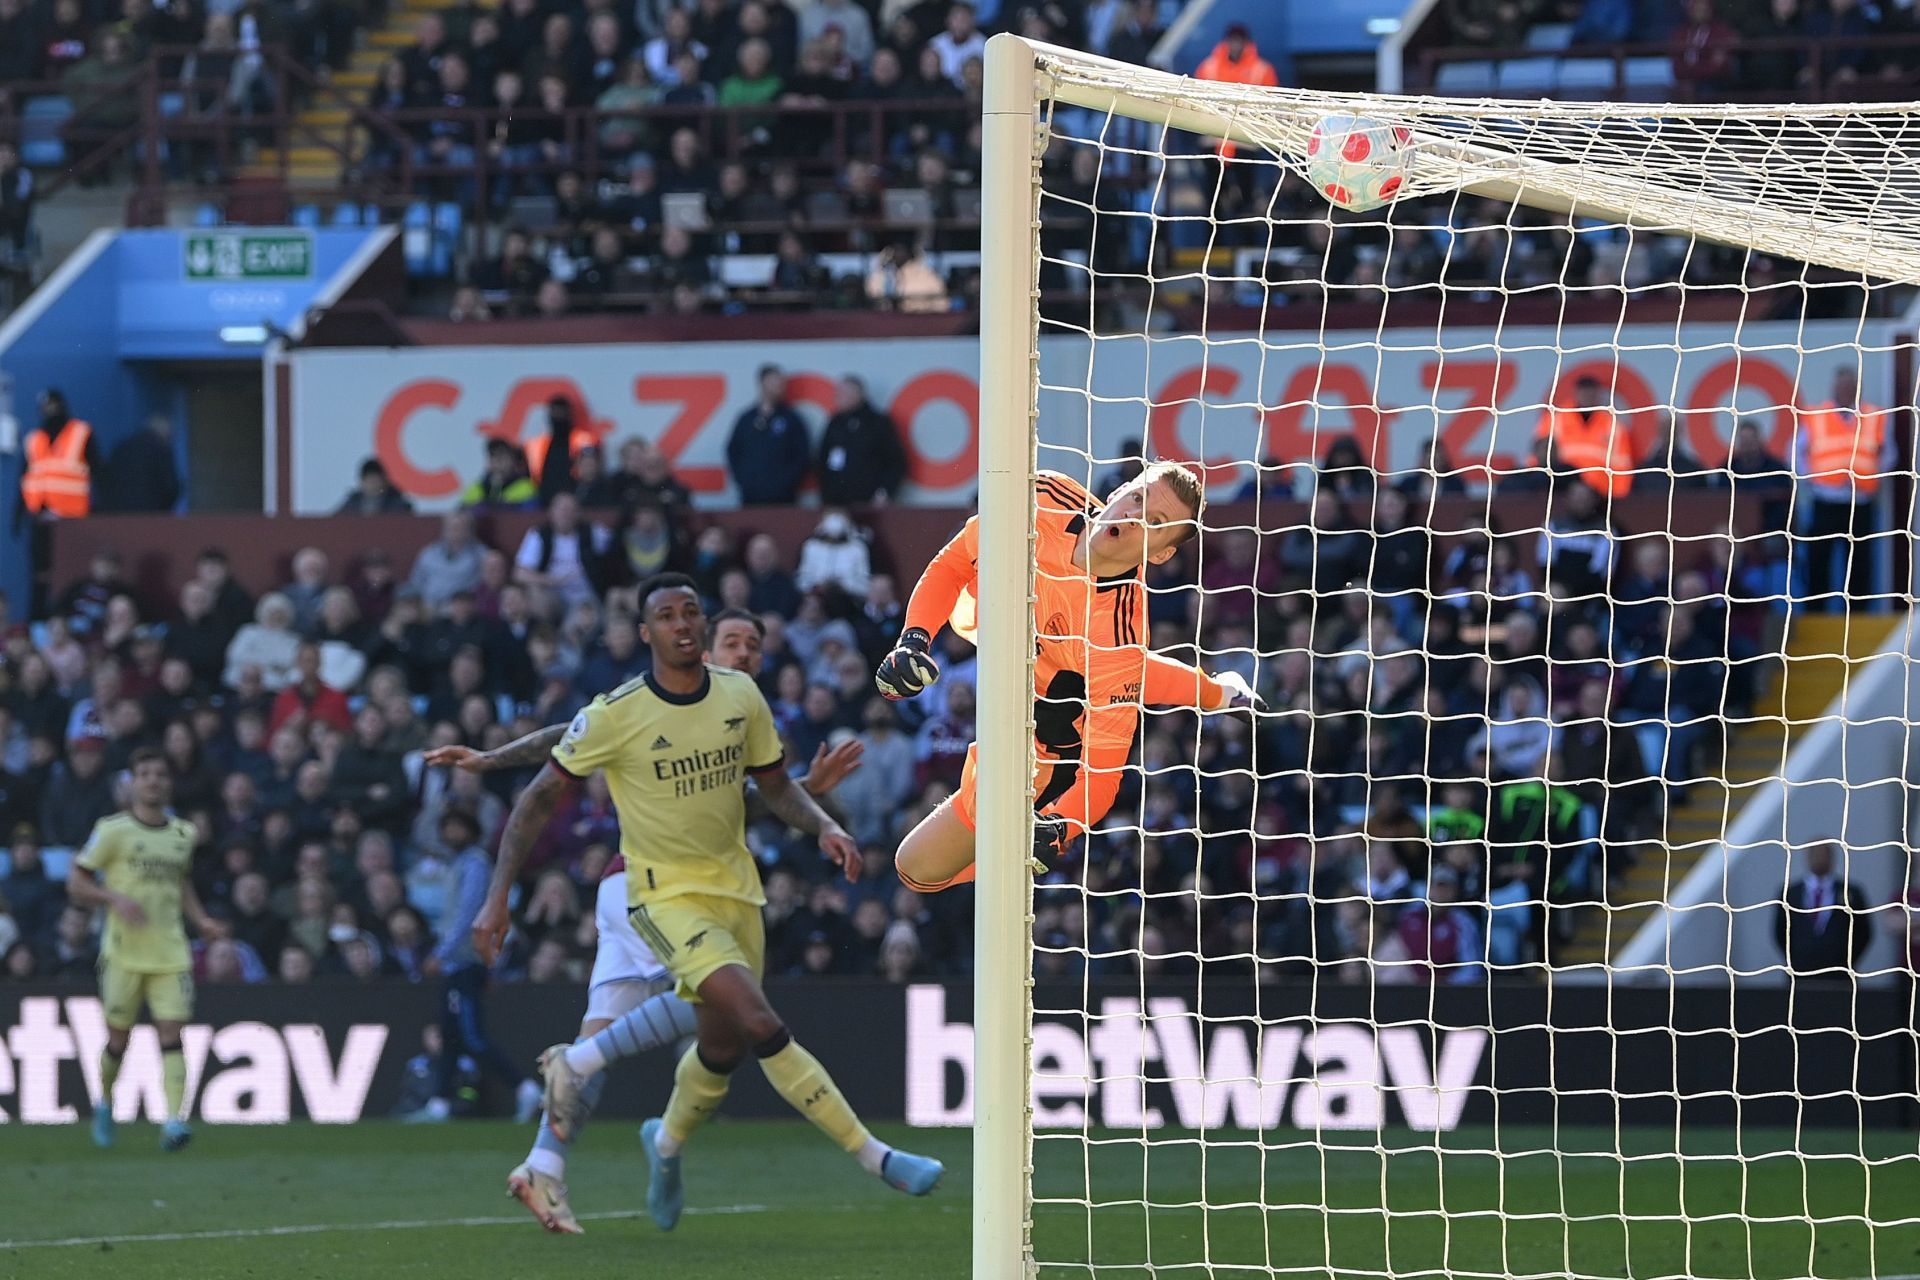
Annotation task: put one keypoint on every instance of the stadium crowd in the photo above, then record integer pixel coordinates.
(1466, 734)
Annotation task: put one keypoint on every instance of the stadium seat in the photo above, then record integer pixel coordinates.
(417, 238)
(345, 214)
(306, 215)
(56, 862)
(42, 122)
(1464, 78)
(1550, 37)
(448, 222)
(535, 213)
(746, 270)
(208, 215)
(1586, 76)
(1527, 75)
(1649, 73)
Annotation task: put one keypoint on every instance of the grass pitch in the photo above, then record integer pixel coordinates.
(775, 1200)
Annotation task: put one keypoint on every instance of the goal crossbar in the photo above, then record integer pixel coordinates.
(1588, 184)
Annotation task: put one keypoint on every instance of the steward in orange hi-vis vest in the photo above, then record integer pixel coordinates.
(60, 458)
(1236, 60)
(1587, 440)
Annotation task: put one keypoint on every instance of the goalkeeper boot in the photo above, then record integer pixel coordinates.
(1051, 839)
(562, 1096)
(545, 1197)
(103, 1125)
(174, 1135)
(666, 1198)
(915, 1175)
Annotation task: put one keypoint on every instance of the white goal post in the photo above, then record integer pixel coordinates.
(1636, 251)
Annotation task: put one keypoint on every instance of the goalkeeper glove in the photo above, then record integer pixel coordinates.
(1239, 692)
(1051, 839)
(909, 669)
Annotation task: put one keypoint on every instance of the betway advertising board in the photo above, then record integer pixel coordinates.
(427, 412)
(1229, 1056)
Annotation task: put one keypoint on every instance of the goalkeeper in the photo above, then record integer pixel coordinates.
(1092, 670)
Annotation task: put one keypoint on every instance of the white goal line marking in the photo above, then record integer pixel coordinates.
(317, 1228)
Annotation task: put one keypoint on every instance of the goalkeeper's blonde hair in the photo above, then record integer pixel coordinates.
(1186, 486)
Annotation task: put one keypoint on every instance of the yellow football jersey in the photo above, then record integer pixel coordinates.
(149, 865)
(677, 766)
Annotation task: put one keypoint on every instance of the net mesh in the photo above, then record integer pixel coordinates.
(1550, 918)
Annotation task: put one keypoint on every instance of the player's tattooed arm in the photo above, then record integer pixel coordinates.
(522, 753)
(794, 806)
(524, 825)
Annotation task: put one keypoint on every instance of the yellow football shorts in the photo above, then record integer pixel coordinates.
(168, 996)
(695, 935)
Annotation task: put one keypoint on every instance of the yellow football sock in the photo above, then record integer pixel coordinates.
(697, 1093)
(109, 1072)
(803, 1082)
(173, 1078)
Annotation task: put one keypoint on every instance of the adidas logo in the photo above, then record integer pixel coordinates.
(660, 743)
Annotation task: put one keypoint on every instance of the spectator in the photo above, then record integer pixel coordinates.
(861, 459)
(835, 559)
(61, 458)
(464, 981)
(772, 588)
(84, 603)
(374, 495)
(768, 451)
(662, 53)
(64, 43)
(960, 40)
(311, 570)
(874, 794)
(1757, 473)
(20, 43)
(1442, 937)
(1840, 452)
(1820, 926)
(646, 477)
(680, 262)
(903, 279)
(268, 645)
(563, 561)
(1702, 53)
(753, 83)
(233, 608)
(504, 483)
(844, 16)
(36, 899)
(616, 659)
(1236, 60)
(1583, 440)
(550, 454)
(1133, 38)
(1769, 70)
(448, 565)
(552, 300)
(368, 776)
(1670, 465)
(79, 794)
(17, 242)
(307, 700)
(141, 476)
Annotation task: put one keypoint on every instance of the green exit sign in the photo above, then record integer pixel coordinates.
(249, 255)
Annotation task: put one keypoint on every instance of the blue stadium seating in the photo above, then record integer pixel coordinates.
(42, 122)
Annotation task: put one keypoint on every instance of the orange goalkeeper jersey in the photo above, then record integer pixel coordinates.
(1092, 669)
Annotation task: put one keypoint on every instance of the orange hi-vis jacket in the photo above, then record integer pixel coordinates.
(1219, 67)
(536, 449)
(1592, 444)
(57, 480)
(1092, 670)
(1843, 445)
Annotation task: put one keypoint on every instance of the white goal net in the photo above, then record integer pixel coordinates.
(1551, 916)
